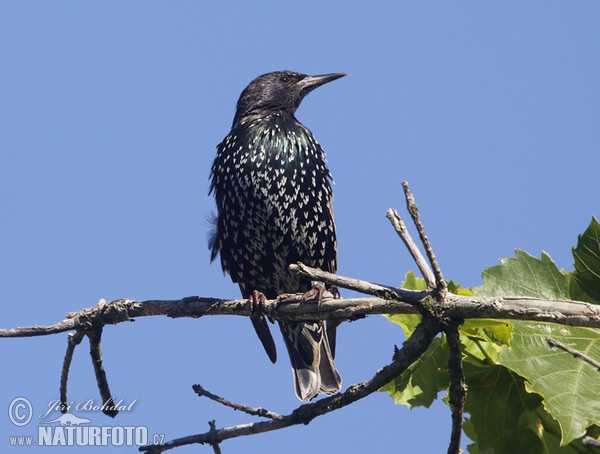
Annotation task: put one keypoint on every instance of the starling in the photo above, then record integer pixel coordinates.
(274, 200)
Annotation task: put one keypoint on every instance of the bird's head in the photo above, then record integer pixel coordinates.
(280, 91)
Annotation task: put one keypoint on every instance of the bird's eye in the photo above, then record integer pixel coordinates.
(284, 79)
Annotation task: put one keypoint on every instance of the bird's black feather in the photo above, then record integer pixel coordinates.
(273, 194)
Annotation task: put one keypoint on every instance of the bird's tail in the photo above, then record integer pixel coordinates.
(311, 357)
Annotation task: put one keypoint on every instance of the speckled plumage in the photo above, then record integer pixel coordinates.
(273, 194)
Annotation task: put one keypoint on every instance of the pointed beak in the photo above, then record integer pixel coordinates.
(309, 83)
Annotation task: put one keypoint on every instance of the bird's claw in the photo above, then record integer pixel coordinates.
(257, 302)
(317, 291)
(335, 292)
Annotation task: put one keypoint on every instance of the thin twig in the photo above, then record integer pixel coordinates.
(382, 291)
(591, 443)
(241, 407)
(414, 212)
(458, 390)
(413, 249)
(213, 426)
(108, 408)
(411, 350)
(73, 340)
(572, 351)
(38, 330)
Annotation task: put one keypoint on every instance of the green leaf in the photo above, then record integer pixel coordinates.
(496, 331)
(549, 431)
(524, 275)
(523, 396)
(584, 282)
(457, 289)
(482, 339)
(570, 387)
(575, 291)
(420, 383)
(501, 412)
(409, 322)
(412, 282)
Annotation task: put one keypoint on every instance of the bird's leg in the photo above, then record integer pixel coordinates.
(335, 291)
(315, 293)
(257, 302)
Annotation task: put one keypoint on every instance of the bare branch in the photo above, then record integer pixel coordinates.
(290, 307)
(412, 208)
(572, 351)
(411, 350)
(440, 310)
(38, 330)
(94, 337)
(249, 410)
(457, 391)
(591, 443)
(213, 426)
(73, 340)
(413, 249)
(382, 291)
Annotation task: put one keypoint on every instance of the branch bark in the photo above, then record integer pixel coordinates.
(457, 392)
(413, 209)
(290, 307)
(413, 249)
(574, 352)
(411, 350)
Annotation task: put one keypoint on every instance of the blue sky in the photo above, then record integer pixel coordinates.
(110, 115)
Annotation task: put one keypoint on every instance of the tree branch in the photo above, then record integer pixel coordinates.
(411, 350)
(95, 337)
(440, 310)
(73, 340)
(413, 249)
(412, 208)
(572, 351)
(383, 291)
(457, 391)
(290, 307)
(213, 426)
(249, 410)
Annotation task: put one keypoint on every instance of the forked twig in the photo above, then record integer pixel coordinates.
(411, 350)
(413, 209)
(572, 351)
(413, 249)
(241, 407)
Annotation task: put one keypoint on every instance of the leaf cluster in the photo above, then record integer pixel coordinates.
(523, 395)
